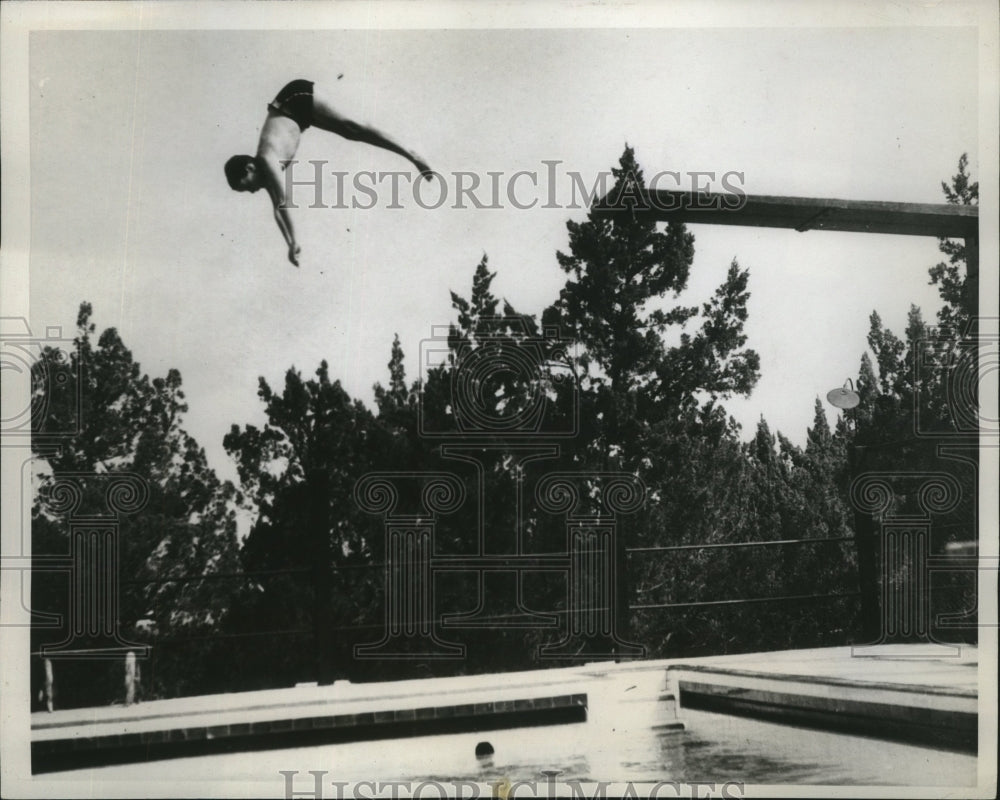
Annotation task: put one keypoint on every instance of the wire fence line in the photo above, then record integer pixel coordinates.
(453, 562)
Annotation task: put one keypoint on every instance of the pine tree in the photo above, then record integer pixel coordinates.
(914, 417)
(309, 536)
(124, 421)
(956, 282)
(652, 371)
(619, 270)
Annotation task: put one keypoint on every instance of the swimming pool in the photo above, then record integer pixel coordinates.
(617, 743)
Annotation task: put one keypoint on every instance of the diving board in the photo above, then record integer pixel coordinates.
(797, 213)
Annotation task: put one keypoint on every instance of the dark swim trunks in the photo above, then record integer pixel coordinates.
(295, 101)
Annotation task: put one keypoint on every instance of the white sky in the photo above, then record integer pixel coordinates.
(130, 209)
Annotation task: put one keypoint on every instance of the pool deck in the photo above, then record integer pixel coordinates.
(909, 693)
(303, 715)
(899, 691)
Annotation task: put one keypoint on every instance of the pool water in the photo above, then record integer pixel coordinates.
(617, 743)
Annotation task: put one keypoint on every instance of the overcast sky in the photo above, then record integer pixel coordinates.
(130, 209)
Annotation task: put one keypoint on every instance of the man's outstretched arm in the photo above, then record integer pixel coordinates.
(284, 220)
(272, 182)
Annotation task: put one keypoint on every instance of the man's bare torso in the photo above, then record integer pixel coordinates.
(279, 138)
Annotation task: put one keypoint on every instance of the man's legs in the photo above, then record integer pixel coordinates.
(327, 119)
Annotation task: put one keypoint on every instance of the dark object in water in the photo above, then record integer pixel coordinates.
(484, 749)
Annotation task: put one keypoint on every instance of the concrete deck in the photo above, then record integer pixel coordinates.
(289, 717)
(893, 691)
(932, 699)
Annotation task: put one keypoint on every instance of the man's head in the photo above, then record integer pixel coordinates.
(241, 172)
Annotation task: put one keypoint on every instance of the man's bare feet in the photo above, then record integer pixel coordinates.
(425, 171)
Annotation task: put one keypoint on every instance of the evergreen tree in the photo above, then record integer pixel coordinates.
(919, 400)
(310, 545)
(172, 551)
(650, 388)
(956, 282)
(619, 270)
